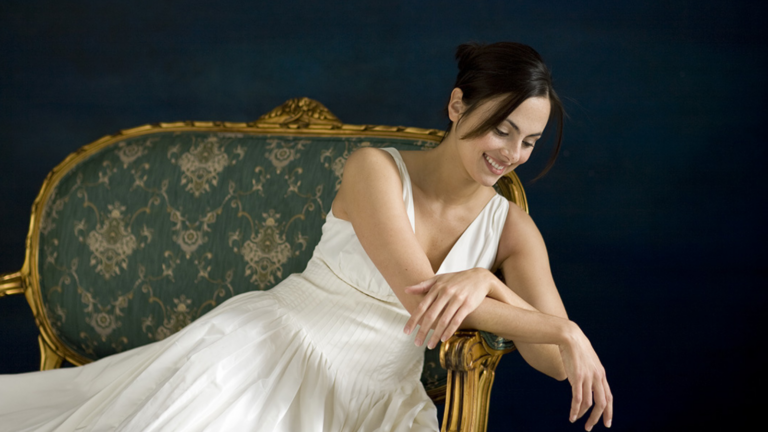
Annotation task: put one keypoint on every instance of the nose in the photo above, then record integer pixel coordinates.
(512, 153)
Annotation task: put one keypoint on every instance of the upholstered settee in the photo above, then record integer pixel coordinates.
(134, 236)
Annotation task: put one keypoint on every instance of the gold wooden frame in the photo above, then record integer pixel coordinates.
(467, 357)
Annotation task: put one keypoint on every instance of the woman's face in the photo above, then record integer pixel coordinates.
(505, 147)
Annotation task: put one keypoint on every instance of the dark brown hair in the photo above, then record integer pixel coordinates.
(512, 71)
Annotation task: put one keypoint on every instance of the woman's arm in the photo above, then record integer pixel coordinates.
(371, 198)
(524, 262)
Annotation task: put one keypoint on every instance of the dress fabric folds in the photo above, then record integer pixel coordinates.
(322, 351)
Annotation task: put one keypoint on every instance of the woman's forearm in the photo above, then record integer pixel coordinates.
(499, 291)
(518, 324)
(536, 335)
(543, 357)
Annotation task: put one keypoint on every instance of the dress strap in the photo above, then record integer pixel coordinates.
(407, 187)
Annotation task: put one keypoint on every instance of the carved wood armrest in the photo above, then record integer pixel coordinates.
(11, 283)
(471, 365)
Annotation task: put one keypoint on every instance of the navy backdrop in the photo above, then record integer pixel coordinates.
(651, 215)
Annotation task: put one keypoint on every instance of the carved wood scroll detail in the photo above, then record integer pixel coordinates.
(299, 112)
(471, 366)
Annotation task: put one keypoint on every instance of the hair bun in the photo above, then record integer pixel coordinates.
(465, 53)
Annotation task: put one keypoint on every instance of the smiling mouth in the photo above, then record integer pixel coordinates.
(493, 163)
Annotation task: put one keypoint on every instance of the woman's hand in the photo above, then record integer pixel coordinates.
(449, 299)
(587, 377)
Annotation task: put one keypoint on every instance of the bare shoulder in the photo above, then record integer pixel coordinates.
(368, 172)
(520, 235)
(367, 159)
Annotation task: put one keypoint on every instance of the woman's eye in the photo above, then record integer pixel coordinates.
(529, 144)
(500, 133)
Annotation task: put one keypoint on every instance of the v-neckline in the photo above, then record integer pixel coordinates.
(469, 227)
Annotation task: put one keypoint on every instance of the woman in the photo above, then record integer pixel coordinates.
(408, 244)
(499, 107)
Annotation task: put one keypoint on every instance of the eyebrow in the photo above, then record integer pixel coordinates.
(518, 129)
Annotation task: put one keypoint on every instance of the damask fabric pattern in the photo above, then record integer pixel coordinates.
(151, 233)
(159, 229)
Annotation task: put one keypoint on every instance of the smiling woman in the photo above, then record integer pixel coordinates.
(504, 75)
(411, 241)
(500, 106)
(508, 145)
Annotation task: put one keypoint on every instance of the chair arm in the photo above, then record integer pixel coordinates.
(470, 357)
(11, 283)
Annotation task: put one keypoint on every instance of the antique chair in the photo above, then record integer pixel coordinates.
(135, 235)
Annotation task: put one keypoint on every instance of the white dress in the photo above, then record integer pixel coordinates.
(322, 351)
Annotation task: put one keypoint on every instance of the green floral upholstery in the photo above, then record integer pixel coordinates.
(150, 233)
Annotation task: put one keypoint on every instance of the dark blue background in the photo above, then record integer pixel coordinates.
(652, 215)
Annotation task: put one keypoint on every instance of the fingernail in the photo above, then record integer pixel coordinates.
(609, 423)
(589, 428)
(406, 331)
(572, 419)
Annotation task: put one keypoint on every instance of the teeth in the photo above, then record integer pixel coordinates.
(493, 164)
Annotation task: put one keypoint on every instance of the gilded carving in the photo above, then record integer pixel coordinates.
(300, 112)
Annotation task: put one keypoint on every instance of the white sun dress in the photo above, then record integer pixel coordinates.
(322, 351)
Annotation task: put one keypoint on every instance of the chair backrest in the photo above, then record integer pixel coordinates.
(138, 234)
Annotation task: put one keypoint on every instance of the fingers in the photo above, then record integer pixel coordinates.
(608, 414)
(586, 400)
(446, 319)
(588, 381)
(458, 318)
(421, 287)
(600, 405)
(417, 313)
(582, 398)
(428, 319)
(575, 401)
(448, 299)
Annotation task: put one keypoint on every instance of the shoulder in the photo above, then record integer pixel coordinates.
(370, 159)
(368, 173)
(371, 167)
(519, 234)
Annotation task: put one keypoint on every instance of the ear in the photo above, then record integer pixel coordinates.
(456, 105)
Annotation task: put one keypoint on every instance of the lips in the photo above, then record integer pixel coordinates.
(494, 166)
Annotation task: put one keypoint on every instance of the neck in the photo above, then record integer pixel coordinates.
(441, 176)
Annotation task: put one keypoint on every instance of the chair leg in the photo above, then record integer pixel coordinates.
(48, 357)
(471, 370)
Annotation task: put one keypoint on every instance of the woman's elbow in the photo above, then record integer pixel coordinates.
(560, 375)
